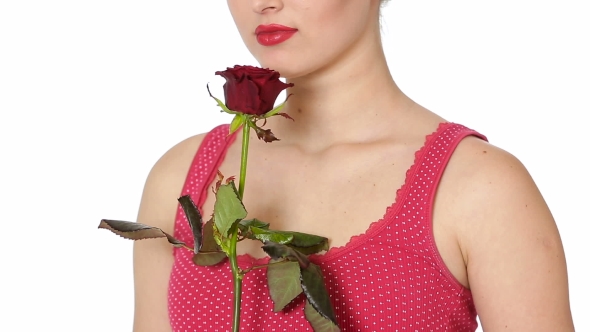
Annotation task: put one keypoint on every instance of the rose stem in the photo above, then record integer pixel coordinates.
(237, 280)
(238, 276)
(244, 160)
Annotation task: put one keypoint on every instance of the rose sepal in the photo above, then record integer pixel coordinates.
(221, 104)
(276, 110)
(237, 122)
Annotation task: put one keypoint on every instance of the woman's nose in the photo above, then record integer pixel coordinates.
(264, 6)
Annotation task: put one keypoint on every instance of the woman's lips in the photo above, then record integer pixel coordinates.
(273, 34)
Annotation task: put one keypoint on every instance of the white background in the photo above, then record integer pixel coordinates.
(92, 93)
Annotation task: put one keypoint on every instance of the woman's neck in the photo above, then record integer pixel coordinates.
(353, 103)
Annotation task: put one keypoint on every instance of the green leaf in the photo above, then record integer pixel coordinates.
(284, 283)
(278, 251)
(265, 235)
(194, 219)
(314, 288)
(307, 243)
(136, 231)
(317, 321)
(244, 224)
(303, 240)
(228, 208)
(211, 253)
(236, 123)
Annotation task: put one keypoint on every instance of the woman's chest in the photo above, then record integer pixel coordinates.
(337, 195)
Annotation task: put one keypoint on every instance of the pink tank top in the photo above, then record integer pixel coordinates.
(391, 278)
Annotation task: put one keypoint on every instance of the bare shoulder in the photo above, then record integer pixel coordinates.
(153, 259)
(509, 240)
(491, 181)
(165, 181)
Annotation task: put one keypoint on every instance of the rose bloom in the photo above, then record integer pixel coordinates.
(251, 90)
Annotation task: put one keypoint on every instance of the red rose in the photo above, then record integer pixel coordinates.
(251, 90)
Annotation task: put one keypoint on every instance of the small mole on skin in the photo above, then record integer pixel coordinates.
(299, 110)
(484, 151)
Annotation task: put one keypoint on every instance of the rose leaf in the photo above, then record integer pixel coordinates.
(209, 258)
(307, 243)
(264, 235)
(315, 290)
(194, 219)
(228, 208)
(278, 251)
(136, 231)
(244, 224)
(284, 283)
(307, 240)
(209, 243)
(210, 253)
(317, 321)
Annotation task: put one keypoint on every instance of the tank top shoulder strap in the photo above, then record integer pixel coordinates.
(201, 174)
(430, 161)
(437, 152)
(422, 182)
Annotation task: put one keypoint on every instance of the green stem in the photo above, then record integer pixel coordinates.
(237, 274)
(237, 280)
(244, 159)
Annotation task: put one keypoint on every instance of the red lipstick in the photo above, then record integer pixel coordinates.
(273, 34)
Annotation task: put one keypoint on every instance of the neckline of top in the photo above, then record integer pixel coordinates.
(376, 226)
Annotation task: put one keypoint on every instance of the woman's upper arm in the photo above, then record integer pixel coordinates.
(515, 260)
(153, 259)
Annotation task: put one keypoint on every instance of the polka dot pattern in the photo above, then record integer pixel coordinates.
(391, 278)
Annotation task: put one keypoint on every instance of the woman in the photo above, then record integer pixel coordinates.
(429, 223)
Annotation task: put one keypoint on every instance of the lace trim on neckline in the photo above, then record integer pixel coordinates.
(376, 226)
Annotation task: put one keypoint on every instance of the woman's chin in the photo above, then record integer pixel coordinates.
(285, 72)
(288, 68)
(288, 72)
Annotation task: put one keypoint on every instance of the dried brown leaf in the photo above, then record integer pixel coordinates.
(137, 231)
